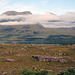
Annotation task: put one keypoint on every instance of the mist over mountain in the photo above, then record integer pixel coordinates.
(18, 28)
(48, 20)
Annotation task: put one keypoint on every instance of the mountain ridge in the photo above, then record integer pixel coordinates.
(17, 13)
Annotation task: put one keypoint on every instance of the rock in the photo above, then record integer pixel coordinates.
(63, 60)
(4, 53)
(49, 58)
(43, 48)
(62, 54)
(73, 60)
(4, 73)
(72, 48)
(9, 60)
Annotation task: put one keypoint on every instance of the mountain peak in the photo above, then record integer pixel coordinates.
(49, 13)
(17, 13)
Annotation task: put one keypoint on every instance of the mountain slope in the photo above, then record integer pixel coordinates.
(34, 33)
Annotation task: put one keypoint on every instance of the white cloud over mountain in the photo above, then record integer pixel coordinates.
(47, 20)
(70, 17)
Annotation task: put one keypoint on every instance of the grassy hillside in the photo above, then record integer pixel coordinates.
(35, 34)
(23, 58)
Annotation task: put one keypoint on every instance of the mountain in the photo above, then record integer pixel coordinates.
(17, 13)
(36, 29)
(51, 16)
(35, 34)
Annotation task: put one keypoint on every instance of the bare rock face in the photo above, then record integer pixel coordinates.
(49, 58)
(17, 13)
(9, 60)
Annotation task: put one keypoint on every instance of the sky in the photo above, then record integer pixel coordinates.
(38, 6)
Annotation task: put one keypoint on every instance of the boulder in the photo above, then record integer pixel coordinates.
(4, 73)
(9, 60)
(63, 60)
(49, 58)
(62, 54)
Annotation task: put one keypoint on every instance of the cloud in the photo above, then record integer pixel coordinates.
(47, 20)
(20, 6)
(69, 17)
(3, 3)
(35, 18)
(60, 11)
(44, 2)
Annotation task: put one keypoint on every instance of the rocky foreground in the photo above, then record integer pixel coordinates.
(54, 58)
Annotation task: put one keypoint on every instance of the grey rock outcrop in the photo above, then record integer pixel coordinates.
(49, 58)
(9, 60)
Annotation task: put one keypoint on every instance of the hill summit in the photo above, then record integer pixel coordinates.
(17, 13)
